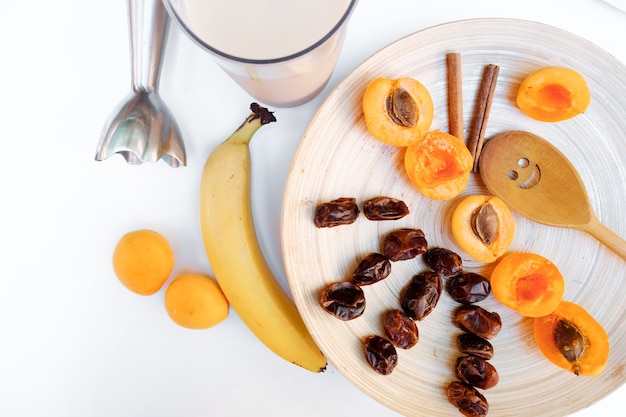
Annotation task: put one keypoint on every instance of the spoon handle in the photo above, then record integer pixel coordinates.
(606, 236)
(149, 23)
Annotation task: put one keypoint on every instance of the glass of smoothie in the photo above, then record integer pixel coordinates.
(282, 52)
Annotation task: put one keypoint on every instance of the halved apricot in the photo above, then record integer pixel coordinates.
(572, 339)
(438, 165)
(552, 94)
(528, 283)
(397, 112)
(483, 227)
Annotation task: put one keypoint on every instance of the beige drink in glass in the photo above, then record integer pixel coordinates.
(282, 52)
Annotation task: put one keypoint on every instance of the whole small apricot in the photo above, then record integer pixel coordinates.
(143, 260)
(553, 94)
(195, 301)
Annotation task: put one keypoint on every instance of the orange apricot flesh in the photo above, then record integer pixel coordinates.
(397, 112)
(553, 94)
(528, 283)
(483, 226)
(438, 165)
(592, 346)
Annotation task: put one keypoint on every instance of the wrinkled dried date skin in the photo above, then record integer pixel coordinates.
(474, 345)
(476, 371)
(420, 296)
(400, 329)
(373, 268)
(469, 288)
(336, 212)
(380, 354)
(443, 261)
(344, 300)
(385, 208)
(477, 320)
(404, 244)
(467, 399)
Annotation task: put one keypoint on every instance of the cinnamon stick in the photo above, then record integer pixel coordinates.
(455, 95)
(484, 100)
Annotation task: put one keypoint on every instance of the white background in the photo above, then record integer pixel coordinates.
(73, 341)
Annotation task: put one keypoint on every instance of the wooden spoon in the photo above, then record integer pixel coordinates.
(535, 179)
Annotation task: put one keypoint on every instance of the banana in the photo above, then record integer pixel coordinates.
(235, 255)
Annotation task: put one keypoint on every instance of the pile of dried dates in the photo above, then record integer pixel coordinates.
(473, 369)
(346, 299)
(418, 298)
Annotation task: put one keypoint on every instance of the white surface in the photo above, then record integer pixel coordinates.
(620, 4)
(73, 341)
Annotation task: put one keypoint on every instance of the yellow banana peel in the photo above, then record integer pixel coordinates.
(235, 255)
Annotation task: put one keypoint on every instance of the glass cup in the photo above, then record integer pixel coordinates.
(282, 52)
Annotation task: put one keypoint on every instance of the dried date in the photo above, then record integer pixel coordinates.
(336, 212)
(373, 268)
(421, 295)
(380, 354)
(474, 345)
(469, 401)
(400, 329)
(404, 244)
(477, 320)
(344, 300)
(469, 288)
(385, 208)
(443, 261)
(477, 372)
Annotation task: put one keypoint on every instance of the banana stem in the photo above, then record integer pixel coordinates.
(260, 116)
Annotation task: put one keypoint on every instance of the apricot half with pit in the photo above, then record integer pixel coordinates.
(483, 227)
(528, 283)
(553, 94)
(572, 339)
(397, 112)
(438, 165)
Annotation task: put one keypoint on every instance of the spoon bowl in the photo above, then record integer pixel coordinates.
(536, 180)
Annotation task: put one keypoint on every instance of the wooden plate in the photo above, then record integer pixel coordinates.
(338, 158)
